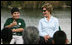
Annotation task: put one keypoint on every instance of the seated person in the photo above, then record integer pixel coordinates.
(60, 37)
(31, 35)
(47, 25)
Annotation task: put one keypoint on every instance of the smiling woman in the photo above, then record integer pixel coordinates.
(48, 7)
(48, 25)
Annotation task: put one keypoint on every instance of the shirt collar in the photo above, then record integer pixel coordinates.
(47, 20)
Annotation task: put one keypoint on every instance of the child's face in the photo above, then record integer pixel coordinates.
(16, 15)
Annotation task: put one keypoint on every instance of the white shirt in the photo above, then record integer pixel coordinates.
(46, 27)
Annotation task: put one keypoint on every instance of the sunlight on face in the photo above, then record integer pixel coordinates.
(45, 12)
(16, 15)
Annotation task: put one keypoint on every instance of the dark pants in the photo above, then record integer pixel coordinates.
(42, 41)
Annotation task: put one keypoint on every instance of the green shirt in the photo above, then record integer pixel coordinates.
(20, 24)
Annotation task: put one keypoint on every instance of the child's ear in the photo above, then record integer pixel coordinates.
(67, 41)
(52, 41)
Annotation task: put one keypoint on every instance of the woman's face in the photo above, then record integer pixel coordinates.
(45, 12)
(16, 15)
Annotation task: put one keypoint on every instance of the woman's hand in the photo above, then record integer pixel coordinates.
(46, 37)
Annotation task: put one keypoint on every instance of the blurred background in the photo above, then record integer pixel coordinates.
(31, 12)
(34, 4)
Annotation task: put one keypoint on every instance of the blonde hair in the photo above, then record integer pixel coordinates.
(48, 7)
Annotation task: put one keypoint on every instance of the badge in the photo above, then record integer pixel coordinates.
(19, 23)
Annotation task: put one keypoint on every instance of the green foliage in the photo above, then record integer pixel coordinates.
(33, 4)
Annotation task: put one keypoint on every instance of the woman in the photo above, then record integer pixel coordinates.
(49, 24)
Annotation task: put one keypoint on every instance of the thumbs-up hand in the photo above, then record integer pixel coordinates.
(14, 23)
